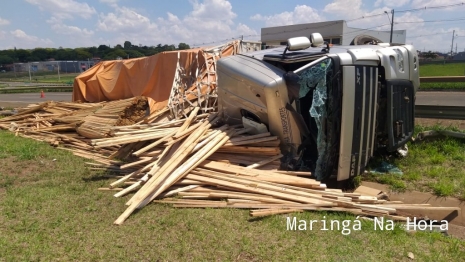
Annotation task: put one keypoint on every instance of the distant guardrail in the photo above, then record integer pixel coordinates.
(37, 88)
(440, 112)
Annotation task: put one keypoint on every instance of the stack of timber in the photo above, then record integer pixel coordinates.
(195, 162)
(72, 124)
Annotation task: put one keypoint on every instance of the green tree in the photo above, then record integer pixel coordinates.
(32, 58)
(103, 48)
(51, 53)
(22, 55)
(134, 53)
(40, 53)
(5, 60)
(127, 45)
(183, 46)
(10, 53)
(82, 54)
(115, 54)
(66, 54)
(92, 50)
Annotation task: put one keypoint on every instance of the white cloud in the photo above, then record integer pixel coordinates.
(112, 3)
(65, 9)
(213, 10)
(301, 14)
(438, 39)
(4, 21)
(345, 8)
(172, 18)
(430, 3)
(392, 3)
(208, 21)
(71, 31)
(24, 40)
(124, 20)
(378, 18)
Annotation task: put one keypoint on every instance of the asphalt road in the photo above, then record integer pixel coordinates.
(23, 99)
(441, 98)
(423, 98)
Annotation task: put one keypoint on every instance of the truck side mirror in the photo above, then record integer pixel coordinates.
(316, 39)
(298, 43)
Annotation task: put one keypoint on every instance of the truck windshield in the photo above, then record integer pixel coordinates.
(314, 83)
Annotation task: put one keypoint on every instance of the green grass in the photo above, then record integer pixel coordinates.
(35, 90)
(440, 86)
(451, 69)
(43, 77)
(436, 166)
(51, 210)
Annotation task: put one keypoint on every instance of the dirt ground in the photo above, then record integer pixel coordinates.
(460, 124)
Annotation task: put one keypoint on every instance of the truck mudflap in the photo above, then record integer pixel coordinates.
(400, 112)
(358, 122)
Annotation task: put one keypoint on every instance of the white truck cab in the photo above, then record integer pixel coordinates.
(332, 107)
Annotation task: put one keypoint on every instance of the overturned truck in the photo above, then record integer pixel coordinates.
(332, 107)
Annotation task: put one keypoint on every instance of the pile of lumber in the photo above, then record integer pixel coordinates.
(74, 124)
(92, 118)
(197, 162)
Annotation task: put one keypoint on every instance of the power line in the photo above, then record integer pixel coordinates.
(224, 40)
(356, 19)
(363, 17)
(363, 29)
(432, 21)
(239, 37)
(429, 35)
(431, 7)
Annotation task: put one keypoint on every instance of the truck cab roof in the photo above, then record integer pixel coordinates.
(311, 53)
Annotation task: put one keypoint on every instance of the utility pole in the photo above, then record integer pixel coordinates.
(391, 20)
(452, 46)
(392, 25)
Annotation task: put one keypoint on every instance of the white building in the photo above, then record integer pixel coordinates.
(334, 32)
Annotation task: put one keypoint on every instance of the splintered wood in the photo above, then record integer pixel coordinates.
(194, 162)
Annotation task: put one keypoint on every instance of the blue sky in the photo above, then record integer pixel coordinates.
(81, 23)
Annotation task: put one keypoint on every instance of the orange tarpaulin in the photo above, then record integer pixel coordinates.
(151, 76)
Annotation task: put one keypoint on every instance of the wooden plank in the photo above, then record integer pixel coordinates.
(269, 212)
(269, 151)
(265, 161)
(250, 197)
(192, 162)
(250, 187)
(153, 186)
(222, 167)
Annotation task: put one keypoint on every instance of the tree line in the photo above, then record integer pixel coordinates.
(103, 52)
